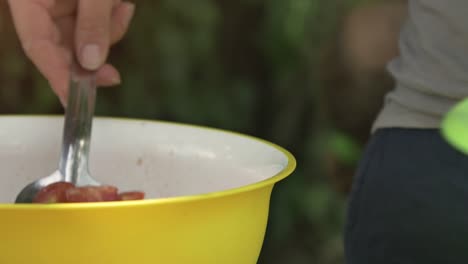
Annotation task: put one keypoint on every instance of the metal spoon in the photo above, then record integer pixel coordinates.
(73, 165)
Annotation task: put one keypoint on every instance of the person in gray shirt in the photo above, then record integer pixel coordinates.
(409, 201)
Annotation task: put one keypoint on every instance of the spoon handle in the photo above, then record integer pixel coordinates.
(78, 123)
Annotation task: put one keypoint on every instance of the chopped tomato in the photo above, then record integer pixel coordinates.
(127, 196)
(92, 194)
(64, 192)
(53, 193)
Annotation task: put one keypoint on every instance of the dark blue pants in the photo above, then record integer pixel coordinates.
(409, 202)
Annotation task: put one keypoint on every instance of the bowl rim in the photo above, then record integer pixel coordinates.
(285, 172)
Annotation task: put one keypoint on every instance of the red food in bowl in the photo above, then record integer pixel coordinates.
(92, 194)
(64, 192)
(53, 193)
(127, 196)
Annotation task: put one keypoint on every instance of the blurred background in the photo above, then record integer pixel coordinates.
(308, 75)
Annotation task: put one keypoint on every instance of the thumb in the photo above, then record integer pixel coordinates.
(93, 32)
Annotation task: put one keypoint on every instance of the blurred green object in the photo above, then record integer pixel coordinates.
(345, 148)
(455, 126)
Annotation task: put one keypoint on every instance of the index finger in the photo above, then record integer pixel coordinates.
(29, 30)
(40, 40)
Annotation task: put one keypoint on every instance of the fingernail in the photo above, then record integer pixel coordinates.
(63, 101)
(91, 57)
(130, 13)
(115, 80)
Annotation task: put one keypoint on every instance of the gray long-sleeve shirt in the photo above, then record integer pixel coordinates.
(431, 72)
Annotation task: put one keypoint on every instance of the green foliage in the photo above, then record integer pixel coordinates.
(344, 147)
(247, 65)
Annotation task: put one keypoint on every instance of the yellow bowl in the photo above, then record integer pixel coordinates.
(208, 194)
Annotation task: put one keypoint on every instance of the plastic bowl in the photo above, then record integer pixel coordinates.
(208, 194)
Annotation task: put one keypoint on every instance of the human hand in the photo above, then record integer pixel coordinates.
(55, 32)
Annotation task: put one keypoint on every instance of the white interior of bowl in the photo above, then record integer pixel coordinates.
(162, 159)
